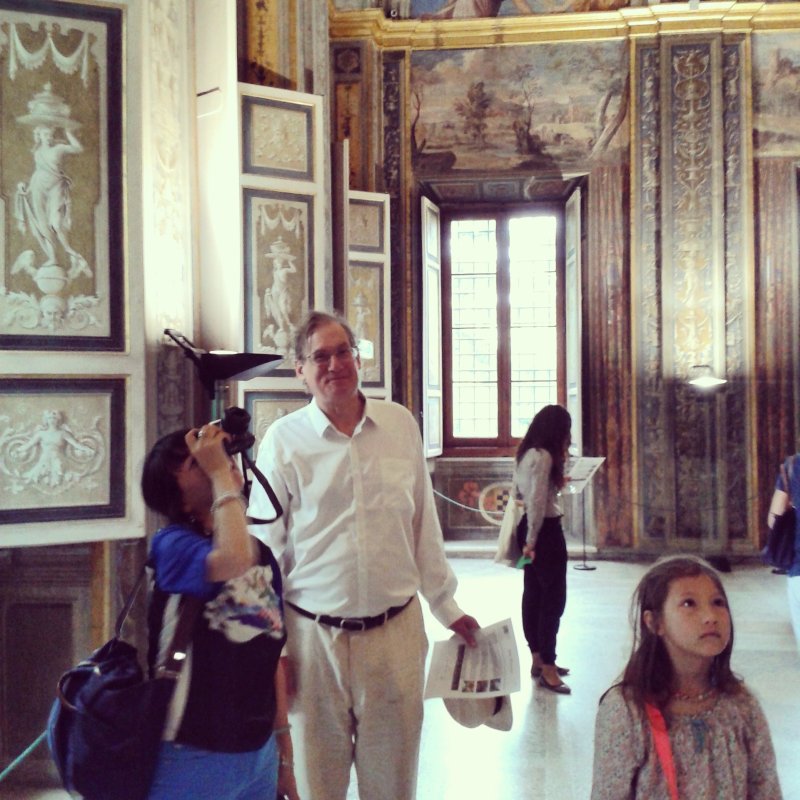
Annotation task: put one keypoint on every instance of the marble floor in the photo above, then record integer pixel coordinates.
(547, 755)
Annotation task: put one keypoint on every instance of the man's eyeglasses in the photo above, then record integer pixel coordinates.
(322, 358)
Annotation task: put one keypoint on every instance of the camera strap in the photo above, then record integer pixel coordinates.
(250, 464)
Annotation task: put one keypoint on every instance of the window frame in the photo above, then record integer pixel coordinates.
(503, 444)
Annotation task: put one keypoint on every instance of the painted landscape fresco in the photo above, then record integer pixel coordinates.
(776, 94)
(549, 109)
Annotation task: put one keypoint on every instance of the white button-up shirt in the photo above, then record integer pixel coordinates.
(532, 483)
(359, 533)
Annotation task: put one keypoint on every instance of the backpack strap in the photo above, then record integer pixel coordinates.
(663, 749)
(188, 612)
(126, 608)
(175, 655)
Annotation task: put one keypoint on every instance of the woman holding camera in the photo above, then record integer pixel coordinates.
(227, 734)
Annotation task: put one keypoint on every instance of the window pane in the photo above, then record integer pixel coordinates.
(533, 335)
(473, 245)
(474, 328)
(474, 300)
(526, 400)
(474, 355)
(534, 353)
(475, 410)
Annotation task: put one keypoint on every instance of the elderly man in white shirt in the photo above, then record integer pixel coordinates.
(358, 539)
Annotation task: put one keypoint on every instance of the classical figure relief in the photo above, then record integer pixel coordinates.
(50, 457)
(279, 242)
(62, 236)
(363, 313)
(43, 205)
(277, 298)
(280, 140)
(43, 213)
(265, 408)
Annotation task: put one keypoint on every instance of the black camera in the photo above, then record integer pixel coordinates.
(236, 423)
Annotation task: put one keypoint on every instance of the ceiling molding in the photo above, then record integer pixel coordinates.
(649, 20)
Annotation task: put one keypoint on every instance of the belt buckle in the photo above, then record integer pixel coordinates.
(352, 624)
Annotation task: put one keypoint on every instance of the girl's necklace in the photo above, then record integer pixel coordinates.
(696, 697)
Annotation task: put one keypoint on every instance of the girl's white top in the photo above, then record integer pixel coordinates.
(533, 486)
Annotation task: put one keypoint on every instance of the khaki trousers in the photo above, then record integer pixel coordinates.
(358, 701)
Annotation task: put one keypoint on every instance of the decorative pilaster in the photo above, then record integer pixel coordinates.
(693, 294)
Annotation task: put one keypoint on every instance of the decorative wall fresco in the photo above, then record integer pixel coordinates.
(776, 94)
(546, 109)
(62, 449)
(61, 179)
(279, 268)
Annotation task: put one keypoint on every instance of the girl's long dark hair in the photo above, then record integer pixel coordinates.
(160, 488)
(648, 675)
(549, 430)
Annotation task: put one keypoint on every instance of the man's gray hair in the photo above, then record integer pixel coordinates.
(316, 319)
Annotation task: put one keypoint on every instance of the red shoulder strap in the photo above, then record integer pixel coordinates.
(663, 748)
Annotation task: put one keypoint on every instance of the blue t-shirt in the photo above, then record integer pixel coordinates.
(236, 642)
(794, 495)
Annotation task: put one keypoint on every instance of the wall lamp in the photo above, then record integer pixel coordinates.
(222, 365)
(702, 376)
(213, 369)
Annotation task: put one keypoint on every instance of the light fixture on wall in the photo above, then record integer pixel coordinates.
(213, 369)
(702, 376)
(216, 366)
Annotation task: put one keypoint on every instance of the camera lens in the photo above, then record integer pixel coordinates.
(235, 421)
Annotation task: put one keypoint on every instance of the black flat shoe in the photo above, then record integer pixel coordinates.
(559, 688)
(536, 672)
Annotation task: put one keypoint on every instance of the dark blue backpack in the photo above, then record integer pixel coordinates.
(105, 726)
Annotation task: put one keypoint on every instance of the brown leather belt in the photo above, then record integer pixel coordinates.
(352, 623)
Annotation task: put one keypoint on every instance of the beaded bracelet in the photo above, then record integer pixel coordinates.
(224, 499)
(283, 729)
(286, 762)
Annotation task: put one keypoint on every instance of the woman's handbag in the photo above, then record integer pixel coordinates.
(508, 552)
(106, 723)
(780, 547)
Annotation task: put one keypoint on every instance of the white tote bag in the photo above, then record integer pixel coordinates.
(508, 552)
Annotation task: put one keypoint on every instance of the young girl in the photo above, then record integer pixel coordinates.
(227, 735)
(538, 480)
(680, 663)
